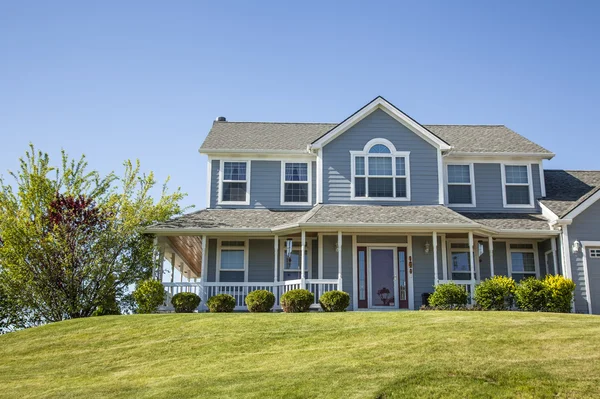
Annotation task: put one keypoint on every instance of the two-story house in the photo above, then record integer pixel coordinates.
(383, 208)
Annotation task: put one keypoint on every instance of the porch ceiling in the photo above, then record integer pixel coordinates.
(189, 248)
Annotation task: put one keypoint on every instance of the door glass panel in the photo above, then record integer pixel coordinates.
(361, 276)
(382, 277)
(402, 265)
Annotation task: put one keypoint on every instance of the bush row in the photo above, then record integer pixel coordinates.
(554, 293)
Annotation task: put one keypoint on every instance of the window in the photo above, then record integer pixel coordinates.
(292, 263)
(234, 182)
(517, 186)
(595, 253)
(522, 261)
(295, 183)
(461, 187)
(232, 260)
(380, 172)
(460, 262)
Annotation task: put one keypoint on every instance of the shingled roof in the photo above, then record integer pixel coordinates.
(510, 221)
(272, 136)
(567, 189)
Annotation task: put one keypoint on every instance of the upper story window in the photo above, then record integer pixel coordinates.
(518, 189)
(295, 183)
(379, 172)
(460, 190)
(235, 183)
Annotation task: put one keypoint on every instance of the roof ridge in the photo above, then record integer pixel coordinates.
(281, 123)
(463, 124)
(571, 170)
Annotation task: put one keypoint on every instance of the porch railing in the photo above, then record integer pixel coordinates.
(468, 285)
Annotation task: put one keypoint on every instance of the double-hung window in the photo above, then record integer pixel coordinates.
(295, 183)
(518, 190)
(522, 261)
(235, 182)
(461, 186)
(460, 261)
(232, 260)
(380, 172)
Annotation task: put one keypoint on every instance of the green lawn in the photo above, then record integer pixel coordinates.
(344, 355)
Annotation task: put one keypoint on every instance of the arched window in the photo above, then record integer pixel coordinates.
(380, 172)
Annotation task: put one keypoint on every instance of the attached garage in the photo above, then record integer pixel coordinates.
(592, 266)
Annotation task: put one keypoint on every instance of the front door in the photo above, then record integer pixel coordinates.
(383, 287)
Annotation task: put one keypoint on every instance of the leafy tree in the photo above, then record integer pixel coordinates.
(72, 241)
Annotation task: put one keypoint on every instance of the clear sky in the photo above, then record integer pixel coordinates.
(145, 79)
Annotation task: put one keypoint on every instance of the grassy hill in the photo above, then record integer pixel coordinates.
(350, 355)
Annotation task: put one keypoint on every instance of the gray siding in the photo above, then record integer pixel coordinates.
(337, 172)
(500, 262)
(211, 270)
(488, 189)
(315, 259)
(585, 227)
(330, 262)
(265, 186)
(423, 270)
(261, 260)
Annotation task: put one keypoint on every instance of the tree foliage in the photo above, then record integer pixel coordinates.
(71, 240)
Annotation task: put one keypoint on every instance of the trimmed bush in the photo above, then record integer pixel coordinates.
(149, 295)
(334, 301)
(449, 296)
(531, 295)
(496, 293)
(221, 303)
(185, 302)
(260, 301)
(559, 295)
(296, 301)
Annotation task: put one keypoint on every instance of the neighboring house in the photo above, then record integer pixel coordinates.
(383, 208)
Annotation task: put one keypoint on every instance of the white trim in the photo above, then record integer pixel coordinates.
(440, 168)
(246, 255)
(533, 250)
(554, 254)
(276, 260)
(566, 252)
(296, 246)
(505, 184)
(583, 206)
(547, 213)
(491, 251)
(339, 254)
(410, 265)
(499, 157)
(471, 166)
(394, 281)
(381, 103)
(257, 154)
(247, 181)
(394, 154)
(208, 181)
(354, 273)
(542, 178)
(472, 257)
(320, 255)
(436, 277)
(474, 267)
(444, 258)
(308, 183)
(586, 244)
(319, 176)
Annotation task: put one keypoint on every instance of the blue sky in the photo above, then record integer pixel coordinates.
(145, 79)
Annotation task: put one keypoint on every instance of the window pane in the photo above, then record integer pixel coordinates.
(296, 172)
(234, 192)
(234, 171)
(362, 295)
(232, 243)
(359, 187)
(517, 195)
(296, 192)
(293, 261)
(460, 262)
(401, 187)
(379, 187)
(516, 174)
(232, 259)
(523, 262)
(380, 166)
(359, 163)
(459, 174)
(400, 166)
(379, 149)
(459, 194)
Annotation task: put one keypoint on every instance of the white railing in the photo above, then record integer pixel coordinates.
(240, 290)
(468, 285)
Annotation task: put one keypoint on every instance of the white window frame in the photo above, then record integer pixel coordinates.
(450, 250)
(505, 184)
(534, 251)
(296, 246)
(472, 184)
(238, 248)
(393, 155)
(594, 253)
(222, 180)
(309, 182)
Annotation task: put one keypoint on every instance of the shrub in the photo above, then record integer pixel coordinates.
(496, 293)
(260, 301)
(221, 303)
(531, 295)
(448, 296)
(295, 301)
(334, 301)
(185, 302)
(559, 291)
(148, 296)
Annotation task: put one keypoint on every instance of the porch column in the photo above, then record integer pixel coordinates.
(435, 259)
(491, 250)
(161, 265)
(303, 259)
(339, 249)
(471, 256)
(172, 273)
(554, 255)
(204, 271)
(276, 248)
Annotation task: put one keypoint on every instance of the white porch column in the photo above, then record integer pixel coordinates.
(339, 249)
(303, 259)
(444, 258)
(554, 255)
(435, 259)
(276, 262)
(204, 271)
(161, 265)
(172, 266)
(471, 256)
(491, 250)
